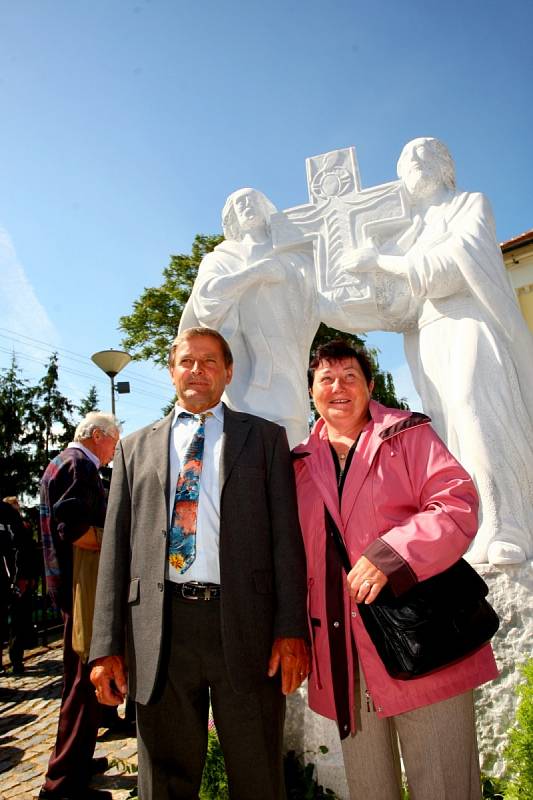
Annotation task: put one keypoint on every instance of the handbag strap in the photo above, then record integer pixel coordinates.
(334, 532)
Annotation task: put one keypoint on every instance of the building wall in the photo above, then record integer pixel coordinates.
(519, 263)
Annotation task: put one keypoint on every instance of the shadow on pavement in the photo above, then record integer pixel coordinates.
(9, 757)
(48, 665)
(9, 722)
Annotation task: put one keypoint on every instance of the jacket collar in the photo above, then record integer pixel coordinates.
(384, 423)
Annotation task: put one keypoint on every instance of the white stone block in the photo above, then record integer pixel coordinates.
(510, 593)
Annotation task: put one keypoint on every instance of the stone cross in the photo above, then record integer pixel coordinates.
(340, 216)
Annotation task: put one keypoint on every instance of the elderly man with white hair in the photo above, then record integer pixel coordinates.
(73, 506)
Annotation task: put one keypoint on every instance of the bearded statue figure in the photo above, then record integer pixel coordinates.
(469, 350)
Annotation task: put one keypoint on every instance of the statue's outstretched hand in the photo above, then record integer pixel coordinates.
(363, 259)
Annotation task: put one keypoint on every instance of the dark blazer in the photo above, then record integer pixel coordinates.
(262, 562)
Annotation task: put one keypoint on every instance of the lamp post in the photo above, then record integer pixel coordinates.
(111, 362)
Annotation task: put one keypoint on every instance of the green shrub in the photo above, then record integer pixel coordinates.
(519, 750)
(300, 781)
(214, 779)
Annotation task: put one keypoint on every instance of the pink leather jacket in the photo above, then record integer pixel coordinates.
(411, 508)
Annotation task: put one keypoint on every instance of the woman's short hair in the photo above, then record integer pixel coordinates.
(189, 333)
(96, 420)
(337, 350)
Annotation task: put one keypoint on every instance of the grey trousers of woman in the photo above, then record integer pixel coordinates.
(438, 747)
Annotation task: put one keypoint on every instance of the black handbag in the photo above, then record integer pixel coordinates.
(430, 626)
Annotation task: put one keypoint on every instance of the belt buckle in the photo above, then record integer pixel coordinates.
(185, 592)
(207, 592)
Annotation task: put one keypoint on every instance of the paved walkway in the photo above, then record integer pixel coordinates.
(29, 706)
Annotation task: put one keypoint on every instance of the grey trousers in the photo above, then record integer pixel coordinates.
(172, 730)
(438, 747)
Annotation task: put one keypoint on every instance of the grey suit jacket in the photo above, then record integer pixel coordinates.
(262, 561)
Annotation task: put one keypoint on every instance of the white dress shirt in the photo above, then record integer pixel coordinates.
(205, 567)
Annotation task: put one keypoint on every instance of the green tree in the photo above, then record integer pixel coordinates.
(88, 403)
(15, 453)
(153, 323)
(50, 418)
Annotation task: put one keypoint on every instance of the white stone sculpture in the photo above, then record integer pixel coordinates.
(339, 217)
(266, 306)
(470, 352)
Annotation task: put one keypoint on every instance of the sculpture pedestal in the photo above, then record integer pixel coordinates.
(510, 592)
(305, 732)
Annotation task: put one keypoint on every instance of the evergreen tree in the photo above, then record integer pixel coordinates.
(89, 403)
(15, 454)
(50, 419)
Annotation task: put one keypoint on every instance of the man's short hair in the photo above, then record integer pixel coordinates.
(189, 333)
(96, 420)
(337, 350)
(230, 225)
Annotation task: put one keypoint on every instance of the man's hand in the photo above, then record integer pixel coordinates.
(293, 655)
(365, 581)
(108, 675)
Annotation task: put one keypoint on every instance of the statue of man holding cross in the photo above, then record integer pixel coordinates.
(470, 350)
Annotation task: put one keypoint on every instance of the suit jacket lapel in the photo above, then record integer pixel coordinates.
(236, 429)
(159, 450)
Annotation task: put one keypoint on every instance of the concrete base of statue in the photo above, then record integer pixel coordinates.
(510, 592)
(306, 732)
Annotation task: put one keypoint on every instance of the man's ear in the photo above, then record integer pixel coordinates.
(371, 386)
(229, 374)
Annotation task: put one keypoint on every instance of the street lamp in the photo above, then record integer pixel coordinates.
(111, 362)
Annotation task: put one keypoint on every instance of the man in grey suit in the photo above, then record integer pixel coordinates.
(223, 628)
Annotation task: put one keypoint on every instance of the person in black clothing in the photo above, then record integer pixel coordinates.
(17, 578)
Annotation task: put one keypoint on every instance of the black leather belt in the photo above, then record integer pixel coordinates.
(195, 590)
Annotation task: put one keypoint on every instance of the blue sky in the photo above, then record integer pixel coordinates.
(126, 124)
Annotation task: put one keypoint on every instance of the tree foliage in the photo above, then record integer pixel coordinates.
(153, 323)
(88, 403)
(50, 418)
(35, 424)
(16, 457)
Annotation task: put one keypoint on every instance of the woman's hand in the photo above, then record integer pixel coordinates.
(365, 581)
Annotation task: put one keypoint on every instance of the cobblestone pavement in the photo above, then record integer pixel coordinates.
(29, 706)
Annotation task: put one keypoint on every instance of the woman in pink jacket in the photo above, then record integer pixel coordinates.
(406, 510)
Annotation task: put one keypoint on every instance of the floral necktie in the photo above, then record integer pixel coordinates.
(182, 536)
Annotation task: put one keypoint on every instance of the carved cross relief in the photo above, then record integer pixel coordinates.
(340, 216)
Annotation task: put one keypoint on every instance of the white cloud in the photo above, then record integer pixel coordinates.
(20, 309)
